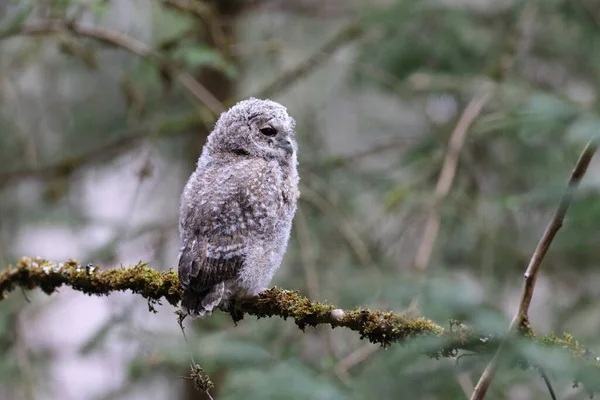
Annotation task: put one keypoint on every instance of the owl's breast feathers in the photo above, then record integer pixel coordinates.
(226, 210)
(290, 192)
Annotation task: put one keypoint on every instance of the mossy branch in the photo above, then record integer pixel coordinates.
(380, 327)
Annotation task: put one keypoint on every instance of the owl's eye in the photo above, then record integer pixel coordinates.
(268, 131)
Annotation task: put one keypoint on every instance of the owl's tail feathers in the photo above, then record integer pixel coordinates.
(200, 304)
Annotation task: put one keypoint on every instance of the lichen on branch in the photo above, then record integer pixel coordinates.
(381, 327)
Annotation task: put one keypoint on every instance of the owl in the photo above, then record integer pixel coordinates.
(237, 207)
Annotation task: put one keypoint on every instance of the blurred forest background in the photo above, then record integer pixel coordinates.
(104, 108)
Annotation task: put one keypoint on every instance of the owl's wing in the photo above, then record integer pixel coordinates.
(213, 229)
(199, 269)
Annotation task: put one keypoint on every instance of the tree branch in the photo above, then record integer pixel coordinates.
(521, 320)
(382, 327)
(176, 124)
(68, 164)
(345, 35)
(120, 40)
(446, 177)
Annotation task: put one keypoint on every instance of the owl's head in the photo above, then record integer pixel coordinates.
(255, 128)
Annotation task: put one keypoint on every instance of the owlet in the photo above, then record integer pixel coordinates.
(237, 207)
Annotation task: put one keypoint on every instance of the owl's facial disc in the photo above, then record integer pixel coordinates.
(277, 138)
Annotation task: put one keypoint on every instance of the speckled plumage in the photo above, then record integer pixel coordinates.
(237, 207)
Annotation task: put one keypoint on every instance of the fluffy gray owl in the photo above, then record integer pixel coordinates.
(237, 207)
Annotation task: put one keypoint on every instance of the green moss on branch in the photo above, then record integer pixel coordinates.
(380, 327)
(37, 273)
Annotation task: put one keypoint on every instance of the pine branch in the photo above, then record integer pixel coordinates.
(382, 327)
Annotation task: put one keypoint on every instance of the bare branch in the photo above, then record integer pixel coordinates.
(354, 358)
(70, 163)
(174, 125)
(345, 35)
(548, 383)
(446, 177)
(351, 159)
(120, 40)
(520, 320)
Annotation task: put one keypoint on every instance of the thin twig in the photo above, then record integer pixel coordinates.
(354, 358)
(548, 383)
(200, 379)
(446, 177)
(345, 35)
(465, 383)
(107, 151)
(120, 40)
(68, 164)
(348, 232)
(521, 316)
(205, 14)
(350, 159)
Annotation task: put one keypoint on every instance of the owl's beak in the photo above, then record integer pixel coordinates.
(286, 144)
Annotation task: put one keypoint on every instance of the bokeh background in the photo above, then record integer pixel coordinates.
(105, 106)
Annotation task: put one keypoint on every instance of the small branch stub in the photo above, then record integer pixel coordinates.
(337, 315)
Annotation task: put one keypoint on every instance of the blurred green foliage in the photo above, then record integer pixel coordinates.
(409, 77)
